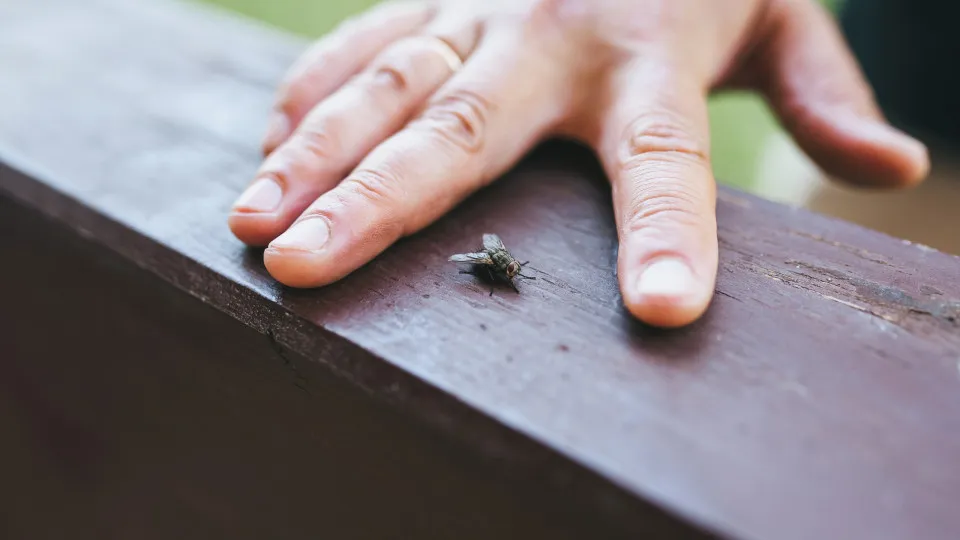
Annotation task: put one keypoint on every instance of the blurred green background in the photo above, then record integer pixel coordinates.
(742, 127)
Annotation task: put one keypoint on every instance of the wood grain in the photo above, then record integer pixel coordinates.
(819, 397)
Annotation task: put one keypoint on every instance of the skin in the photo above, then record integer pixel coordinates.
(376, 134)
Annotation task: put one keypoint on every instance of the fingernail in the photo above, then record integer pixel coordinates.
(667, 278)
(884, 132)
(263, 196)
(310, 234)
(278, 128)
(881, 132)
(917, 150)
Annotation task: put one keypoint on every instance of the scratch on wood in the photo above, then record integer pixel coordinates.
(860, 252)
(877, 295)
(848, 304)
(730, 296)
(298, 379)
(932, 291)
(864, 309)
(773, 276)
(557, 282)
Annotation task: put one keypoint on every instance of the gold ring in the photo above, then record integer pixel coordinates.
(447, 52)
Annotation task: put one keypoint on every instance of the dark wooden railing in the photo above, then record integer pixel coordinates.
(156, 383)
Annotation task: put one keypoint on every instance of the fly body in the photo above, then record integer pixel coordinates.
(493, 259)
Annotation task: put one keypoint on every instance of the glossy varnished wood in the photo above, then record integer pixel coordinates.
(819, 397)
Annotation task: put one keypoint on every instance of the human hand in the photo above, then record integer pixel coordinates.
(378, 131)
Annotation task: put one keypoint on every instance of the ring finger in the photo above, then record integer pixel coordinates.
(343, 128)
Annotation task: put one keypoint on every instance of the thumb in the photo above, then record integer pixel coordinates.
(816, 87)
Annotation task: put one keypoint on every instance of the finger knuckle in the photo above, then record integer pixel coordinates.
(661, 137)
(290, 164)
(395, 77)
(406, 62)
(459, 118)
(290, 98)
(407, 66)
(319, 143)
(296, 92)
(655, 210)
(379, 187)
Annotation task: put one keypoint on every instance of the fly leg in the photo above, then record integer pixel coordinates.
(521, 275)
(493, 279)
(476, 273)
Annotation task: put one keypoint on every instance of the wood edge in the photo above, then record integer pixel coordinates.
(501, 449)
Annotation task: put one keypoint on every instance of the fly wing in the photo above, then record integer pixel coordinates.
(475, 258)
(492, 242)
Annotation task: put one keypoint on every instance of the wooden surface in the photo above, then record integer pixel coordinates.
(174, 421)
(819, 397)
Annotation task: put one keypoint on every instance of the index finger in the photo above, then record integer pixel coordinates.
(657, 153)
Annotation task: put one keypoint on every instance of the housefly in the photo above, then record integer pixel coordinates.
(494, 260)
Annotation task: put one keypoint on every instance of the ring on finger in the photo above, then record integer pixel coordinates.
(447, 52)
